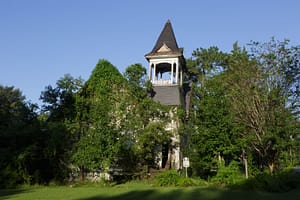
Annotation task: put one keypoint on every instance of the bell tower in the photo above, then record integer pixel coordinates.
(166, 66)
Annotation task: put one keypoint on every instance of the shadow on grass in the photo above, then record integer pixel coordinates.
(6, 193)
(197, 193)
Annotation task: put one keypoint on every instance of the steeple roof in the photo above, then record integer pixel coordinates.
(166, 43)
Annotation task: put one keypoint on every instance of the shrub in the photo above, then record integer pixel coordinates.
(172, 178)
(229, 175)
(186, 182)
(280, 182)
(168, 178)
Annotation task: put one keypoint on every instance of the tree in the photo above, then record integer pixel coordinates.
(255, 95)
(259, 98)
(213, 135)
(136, 78)
(212, 132)
(59, 101)
(19, 130)
(58, 127)
(135, 75)
(205, 63)
(279, 61)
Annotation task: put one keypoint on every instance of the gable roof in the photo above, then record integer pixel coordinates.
(166, 40)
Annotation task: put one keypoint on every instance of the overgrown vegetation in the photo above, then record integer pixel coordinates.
(172, 178)
(243, 122)
(245, 108)
(280, 182)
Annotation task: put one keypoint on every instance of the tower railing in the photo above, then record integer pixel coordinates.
(163, 82)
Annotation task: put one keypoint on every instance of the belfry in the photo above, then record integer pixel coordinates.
(166, 67)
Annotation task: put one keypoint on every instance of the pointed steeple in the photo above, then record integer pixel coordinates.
(166, 43)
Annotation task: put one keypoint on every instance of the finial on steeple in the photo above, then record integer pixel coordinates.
(169, 21)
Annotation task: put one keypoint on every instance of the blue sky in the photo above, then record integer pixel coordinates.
(41, 40)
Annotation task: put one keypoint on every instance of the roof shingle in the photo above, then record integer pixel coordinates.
(167, 38)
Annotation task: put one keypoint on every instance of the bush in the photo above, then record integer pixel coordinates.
(168, 178)
(172, 178)
(281, 182)
(187, 182)
(229, 175)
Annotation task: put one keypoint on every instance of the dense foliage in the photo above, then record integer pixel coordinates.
(19, 139)
(244, 108)
(243, 121)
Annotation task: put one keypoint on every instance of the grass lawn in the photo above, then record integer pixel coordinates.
(139, 191)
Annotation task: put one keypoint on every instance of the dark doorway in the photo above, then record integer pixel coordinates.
(165, 153)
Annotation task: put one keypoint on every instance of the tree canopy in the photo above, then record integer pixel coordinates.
(255, 97)
(243, 114)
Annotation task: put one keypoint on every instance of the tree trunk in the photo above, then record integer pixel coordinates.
(219, 158)
(82, 176)
(271, 167)
(246, 166)
(245, 160)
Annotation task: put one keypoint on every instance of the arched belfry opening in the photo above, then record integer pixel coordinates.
(166, 67)
(165, 72)
(165, 59)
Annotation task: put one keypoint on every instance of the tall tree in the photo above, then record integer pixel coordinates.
(259, 103)
(59, 101)
(135, 75)
(19, 131)
(213, 135)
(57, 121)
(211, 129)
(280, 63)
(255, 94)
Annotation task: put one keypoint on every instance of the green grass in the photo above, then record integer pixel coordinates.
(139, 191)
